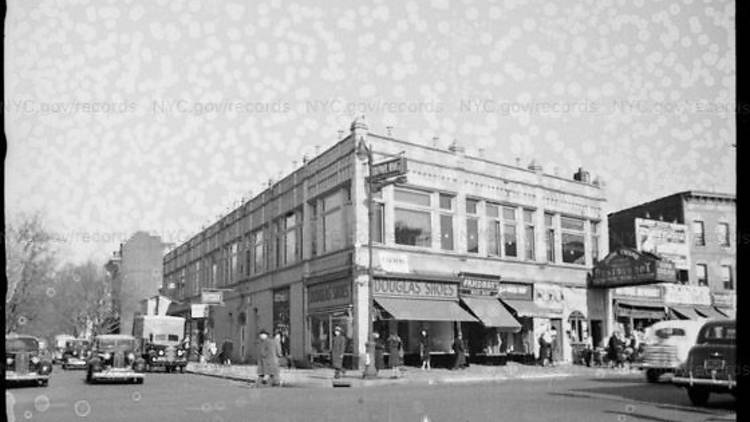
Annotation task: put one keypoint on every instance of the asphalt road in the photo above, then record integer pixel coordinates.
(186, 397)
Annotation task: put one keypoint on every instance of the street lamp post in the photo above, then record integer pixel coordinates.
(370, 369)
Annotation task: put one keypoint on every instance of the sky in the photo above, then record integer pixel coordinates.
(163, 115)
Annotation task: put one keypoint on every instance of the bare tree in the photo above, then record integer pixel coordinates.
(83, 301)
(30, 265)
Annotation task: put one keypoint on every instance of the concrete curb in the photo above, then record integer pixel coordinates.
(711, 414)
(360, 383)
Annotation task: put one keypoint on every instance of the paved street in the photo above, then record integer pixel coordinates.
(187, 397)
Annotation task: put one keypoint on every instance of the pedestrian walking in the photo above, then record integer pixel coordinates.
(615, 350)
(545, 346)
(268, 360)
(395, 352)
(337, 352)
(424, 349)
(379, 351)
(459, 348)
(226, 352)
(285, 349)
(553, 346)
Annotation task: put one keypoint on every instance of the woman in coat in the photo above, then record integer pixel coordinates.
(379, 351)
(268, 359)
(395, 348)
(424, 349)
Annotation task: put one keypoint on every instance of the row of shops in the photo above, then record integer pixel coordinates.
(496, 317)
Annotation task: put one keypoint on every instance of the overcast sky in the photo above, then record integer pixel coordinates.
(159, 115)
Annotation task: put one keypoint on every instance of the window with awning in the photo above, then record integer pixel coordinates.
(529, 309)
(492, 313)
(424, 309)
(639, 309)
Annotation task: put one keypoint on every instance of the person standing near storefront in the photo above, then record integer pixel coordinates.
(553, 346)
(459, 348)
(395, 349)
(379, 352)
(268, 362)
(338, 348)
(545, 346)
(424, 349)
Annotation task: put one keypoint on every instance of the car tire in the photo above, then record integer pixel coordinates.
(139, 380)
(652, 375)
(698, 396)
(182, 369)
(89, 376)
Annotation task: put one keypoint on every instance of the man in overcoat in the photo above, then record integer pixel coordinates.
(268, 359)
(338, 348)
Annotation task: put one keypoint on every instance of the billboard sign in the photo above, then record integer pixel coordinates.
(387, 169)
(212, 297)
(667, 240)
(628, 267)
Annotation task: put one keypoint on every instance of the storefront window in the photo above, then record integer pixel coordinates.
(322, 327)
(281, 308)
(413, 227)
(578, 327)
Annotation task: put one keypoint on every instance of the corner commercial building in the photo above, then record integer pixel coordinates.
(466, 245)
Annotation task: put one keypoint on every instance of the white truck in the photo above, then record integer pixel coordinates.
(159, 340)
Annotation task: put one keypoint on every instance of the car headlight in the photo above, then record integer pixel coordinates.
(180, 352)
(161, 352)
(9, 361)
(107, 356)
(131, 356)
(34, 360)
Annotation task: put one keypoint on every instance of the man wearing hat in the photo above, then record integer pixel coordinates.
(337, 352)
(268, 359)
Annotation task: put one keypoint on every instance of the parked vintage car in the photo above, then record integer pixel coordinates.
(667, 346)
(711, 365)
(113, 358)
(76, 354)
(59, 347)
(23, 361)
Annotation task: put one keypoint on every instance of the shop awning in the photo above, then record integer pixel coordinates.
(729, 312)
(527, 308)
(686, 312)
(639, 309)
(710, 312)
(492, 313)
(424, 310)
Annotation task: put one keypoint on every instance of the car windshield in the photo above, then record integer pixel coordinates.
(718, 334)
(166, 338)
(21, 344)
(77, 343)
(116, 344)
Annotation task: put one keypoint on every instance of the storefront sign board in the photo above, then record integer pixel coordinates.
(415, 289)
(628, 267)
(329, 294)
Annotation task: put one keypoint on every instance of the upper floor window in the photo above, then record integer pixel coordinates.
(701, 273)
(529, 233)
(723, 234)
(472, 235)
(258, 251)
(413, 219)
(595, 241)
(332, 215)
(291, 238)
(549, 224)
(726, 277)
(699, 237)
(446, 202)
(471, 206)
(501, 231)
(573, 248)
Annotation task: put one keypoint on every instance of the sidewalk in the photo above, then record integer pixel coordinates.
(322, 377)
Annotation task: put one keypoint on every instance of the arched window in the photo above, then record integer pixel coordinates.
(578, 326)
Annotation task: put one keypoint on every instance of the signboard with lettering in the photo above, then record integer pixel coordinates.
(726, 300)
(479, 284)
(548, 295)
(686, 294)
(668, 240)
(212, 297)
(515, 291)
(628, 267)
(387, 169)
(337, 293)
(415, 288)
(198, 310)
(647, 292)
(393, 262)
